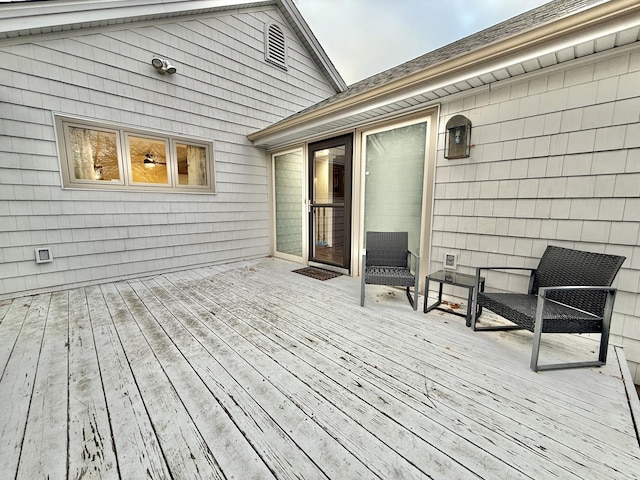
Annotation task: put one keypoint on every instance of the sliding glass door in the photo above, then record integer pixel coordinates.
(394, 180)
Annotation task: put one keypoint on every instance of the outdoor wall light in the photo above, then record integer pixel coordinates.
(163, 66)
(457, 142)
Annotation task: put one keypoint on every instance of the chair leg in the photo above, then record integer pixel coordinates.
(606, 326)
(416, 284)
(537, 334)
(474, 303)
(362, 275)
(604, 337)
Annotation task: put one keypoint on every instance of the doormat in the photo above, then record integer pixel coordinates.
(317, 273)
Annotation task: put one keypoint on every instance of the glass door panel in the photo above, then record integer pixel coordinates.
(394, 183)
(288, 171)
(330, 205)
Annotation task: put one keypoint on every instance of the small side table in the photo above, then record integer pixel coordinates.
(458, 280)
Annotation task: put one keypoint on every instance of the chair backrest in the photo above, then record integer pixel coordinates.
(564, 267)
(387, 249)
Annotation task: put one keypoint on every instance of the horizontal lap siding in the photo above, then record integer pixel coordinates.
(223, 90)
(556, 160)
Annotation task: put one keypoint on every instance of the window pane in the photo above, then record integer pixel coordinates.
(95, 154)
(148, 160)
(192, 164)
(394, 181)
(289, 197)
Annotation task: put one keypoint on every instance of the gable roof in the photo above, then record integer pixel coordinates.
(19, 19)
(553, 33)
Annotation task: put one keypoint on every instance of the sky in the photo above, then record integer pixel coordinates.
(365, 37)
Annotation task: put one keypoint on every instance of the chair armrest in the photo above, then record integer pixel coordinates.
(506, 268)
(608, 308)
(531, 271)
(417, 260)
(542, 291)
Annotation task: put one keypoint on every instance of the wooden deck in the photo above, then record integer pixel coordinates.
(250, 371)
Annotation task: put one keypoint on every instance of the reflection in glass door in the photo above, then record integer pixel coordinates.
(330, 201)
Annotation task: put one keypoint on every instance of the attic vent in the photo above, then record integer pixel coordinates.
(275, 45)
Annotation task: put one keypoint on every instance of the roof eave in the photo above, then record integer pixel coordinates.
(616, 12)
(28, 18)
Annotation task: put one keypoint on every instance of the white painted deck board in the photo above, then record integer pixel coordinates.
(46, 430)
(250, 371)
(331, 406)
(179, 436)
(322, 448)
(235, 383)
(90, 451)
(17, 382)
(366, 400)
(135, 440)
(487, 416)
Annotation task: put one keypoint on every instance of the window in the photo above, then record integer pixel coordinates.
(94, 155)
(275, 45)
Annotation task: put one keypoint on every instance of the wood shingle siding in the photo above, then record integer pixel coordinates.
(222, 91)
(555, 161)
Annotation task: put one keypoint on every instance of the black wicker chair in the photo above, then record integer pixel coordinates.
(387, 261)
(569, 292)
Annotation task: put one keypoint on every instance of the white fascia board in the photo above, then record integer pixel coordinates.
(33, 16)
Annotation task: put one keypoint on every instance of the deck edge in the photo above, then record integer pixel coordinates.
(629, 386)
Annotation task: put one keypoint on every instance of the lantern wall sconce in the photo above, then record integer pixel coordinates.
(163, 66)
(457, 142)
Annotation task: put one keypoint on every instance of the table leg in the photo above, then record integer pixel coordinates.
(426, 294)
(426, 308)
(480, 308)
(469, 305)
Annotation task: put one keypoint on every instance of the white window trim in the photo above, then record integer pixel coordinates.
(122, 132)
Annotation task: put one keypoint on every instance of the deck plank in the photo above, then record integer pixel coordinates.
(424, 397)
(17, 382)
(10, 328)
(563, 455)
(5, 305)
(91, 451)
(322, 448)
(45, 437)
(135, 441)
(494, 360)
(250, 371)
(389, 416)
(187, 454)
(232, 382)
(359, 427)
(230, 448)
